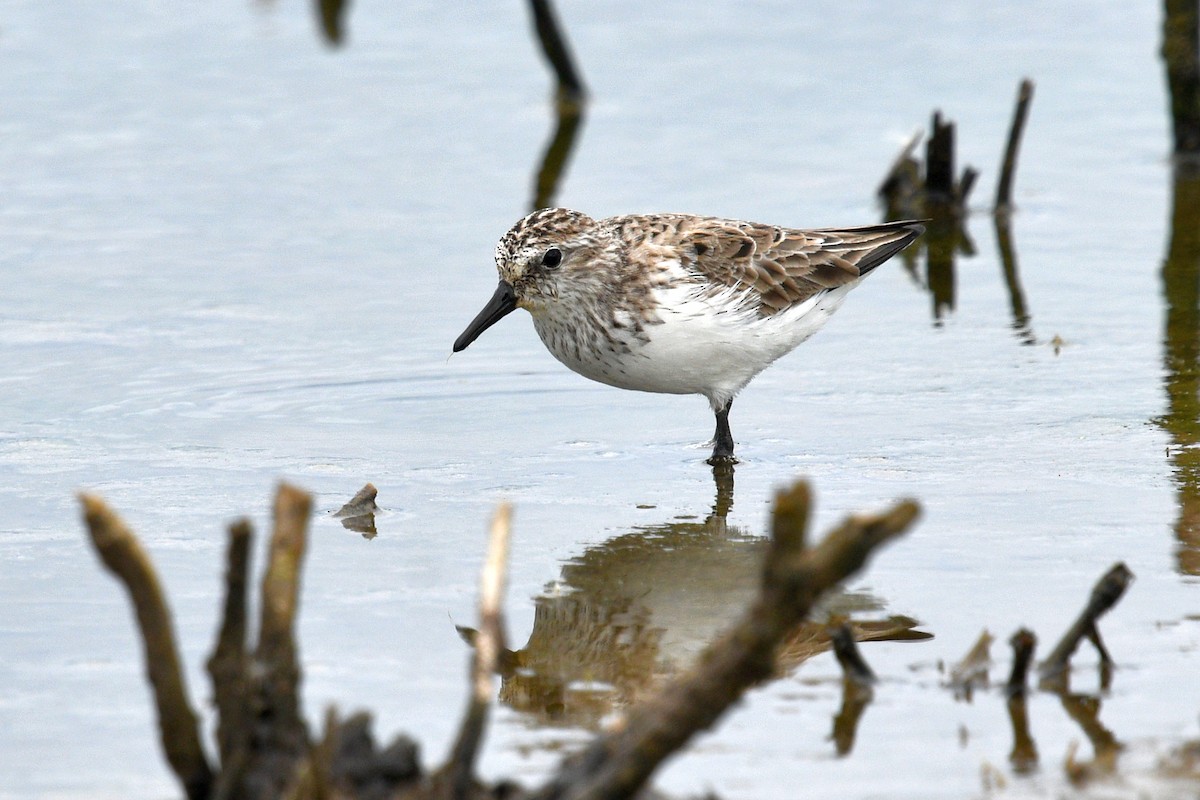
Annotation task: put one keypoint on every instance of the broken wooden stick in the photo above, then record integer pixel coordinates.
(1023, 643)
(1107, 591)
(1008, 168)
(459, 772)
(227, 665)
(179, 728)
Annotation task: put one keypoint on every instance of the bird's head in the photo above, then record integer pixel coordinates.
(539, 260)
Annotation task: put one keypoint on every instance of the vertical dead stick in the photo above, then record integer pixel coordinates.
(554, 46)
(1105, 594)
(618, 764)
(939, 160)
(459, 770)
(1181, 52)
(1009, 168)
(123, 555)
(281, 581)
(332, 15)
(280, 735)
(1023, 643)
(227, 665)
(965, 184)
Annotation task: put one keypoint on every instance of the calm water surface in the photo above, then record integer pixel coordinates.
(232, 255)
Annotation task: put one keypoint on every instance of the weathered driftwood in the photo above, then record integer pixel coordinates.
(179, 728)
(1107, 591)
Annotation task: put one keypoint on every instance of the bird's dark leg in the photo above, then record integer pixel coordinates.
(723, 439)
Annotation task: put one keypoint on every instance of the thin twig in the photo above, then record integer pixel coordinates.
(554, 46)
(459, 772)
(1009, 168)
(1107, 591)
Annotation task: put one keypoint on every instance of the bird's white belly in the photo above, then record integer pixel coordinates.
(703, 345)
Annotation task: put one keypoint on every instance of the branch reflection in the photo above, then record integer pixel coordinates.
(1181, 357)
(630, 612)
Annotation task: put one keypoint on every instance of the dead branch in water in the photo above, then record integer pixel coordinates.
(1107, 591)
(264, 745)
(1008, 168)
(179, 728)
(458, 774)
(1181, 52)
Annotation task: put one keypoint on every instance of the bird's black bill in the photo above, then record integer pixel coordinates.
(503, 302)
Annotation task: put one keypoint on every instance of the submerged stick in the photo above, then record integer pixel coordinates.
(178, 725)
(459, 771)
(1009, 167)
(1107, 591)
(794, 577)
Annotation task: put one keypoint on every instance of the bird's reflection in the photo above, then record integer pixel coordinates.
(1181, 357)
(638, 608)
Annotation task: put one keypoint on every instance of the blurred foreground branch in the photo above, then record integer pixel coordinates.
(265, 747)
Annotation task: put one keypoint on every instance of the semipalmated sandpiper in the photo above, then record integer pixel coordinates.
(678, 303)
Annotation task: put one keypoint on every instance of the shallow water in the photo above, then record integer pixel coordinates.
(233, 256)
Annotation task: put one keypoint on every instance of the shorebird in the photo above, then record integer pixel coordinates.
(678, 303)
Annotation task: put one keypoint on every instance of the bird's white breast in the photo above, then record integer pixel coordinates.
(704, 342)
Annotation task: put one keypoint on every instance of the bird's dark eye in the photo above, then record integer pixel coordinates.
(552, 258)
